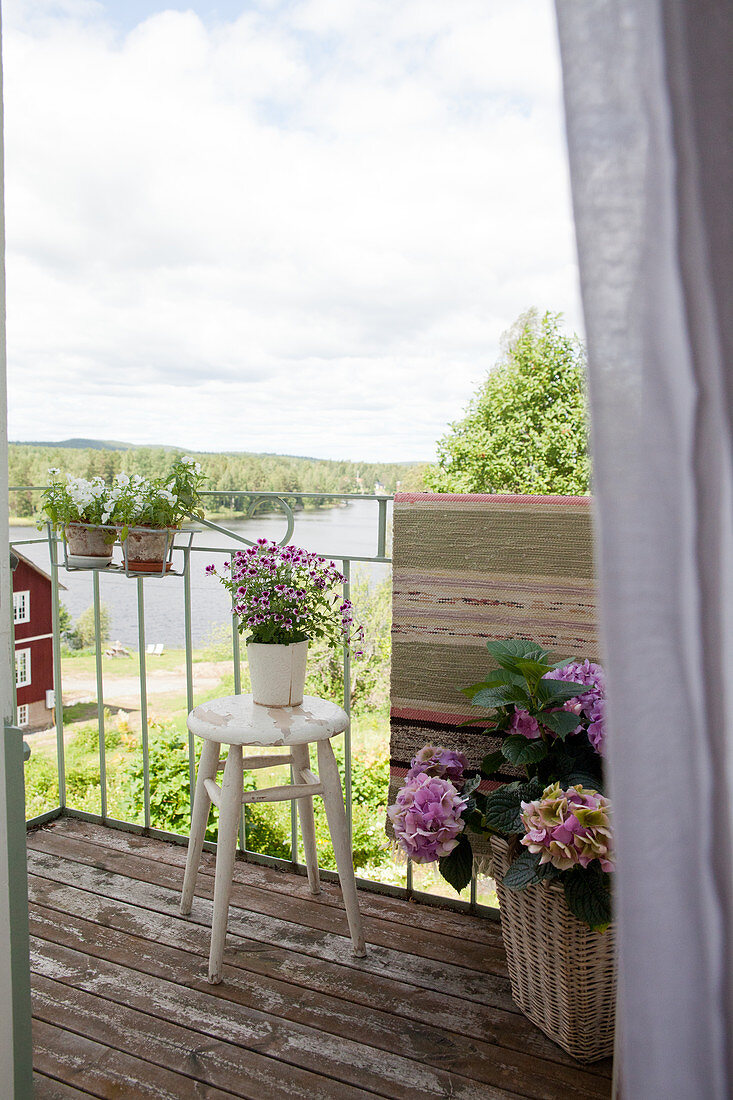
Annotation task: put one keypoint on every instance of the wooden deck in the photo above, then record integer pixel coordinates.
(122, 1007)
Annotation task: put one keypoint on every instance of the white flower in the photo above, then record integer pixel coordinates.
(53, 470)
(165, 495)
(123, 480)
(105, 517)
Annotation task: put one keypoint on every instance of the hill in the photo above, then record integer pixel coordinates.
(231, 474)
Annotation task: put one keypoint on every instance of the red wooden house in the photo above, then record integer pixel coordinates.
(33, 623)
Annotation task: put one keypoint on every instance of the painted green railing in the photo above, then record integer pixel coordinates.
(191, 550)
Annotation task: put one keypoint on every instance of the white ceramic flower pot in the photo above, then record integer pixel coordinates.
(277, 673)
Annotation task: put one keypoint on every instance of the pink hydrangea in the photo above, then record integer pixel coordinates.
(569, 827)
(525, 723)
(435, 760)
(427, 818)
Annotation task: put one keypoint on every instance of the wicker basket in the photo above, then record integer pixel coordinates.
(563, 974)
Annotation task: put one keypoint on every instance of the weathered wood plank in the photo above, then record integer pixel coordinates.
(344, 1060)
(478, 1060)
(445, 922)
(309, 914)
(155, 893)
(46, 1088)
(183, 1050)
(110, 1074)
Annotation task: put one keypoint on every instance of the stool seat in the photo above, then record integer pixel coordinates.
(237, 720)
(234, 721)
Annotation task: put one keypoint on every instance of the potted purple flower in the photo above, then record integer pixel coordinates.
(550, 834)
(283, 597)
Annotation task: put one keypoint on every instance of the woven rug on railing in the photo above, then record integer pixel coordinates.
(467, 569)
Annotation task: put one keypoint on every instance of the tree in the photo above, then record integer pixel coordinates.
(526, 429)
(84, 635)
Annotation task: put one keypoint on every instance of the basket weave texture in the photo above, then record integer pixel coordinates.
(563, 975)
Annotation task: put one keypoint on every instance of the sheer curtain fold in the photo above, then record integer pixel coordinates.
(648, 93)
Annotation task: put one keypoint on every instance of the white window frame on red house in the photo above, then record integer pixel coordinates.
(23, 715)
(22, 663)
(22, 606)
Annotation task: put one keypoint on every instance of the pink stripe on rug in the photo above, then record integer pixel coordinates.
(496, 498)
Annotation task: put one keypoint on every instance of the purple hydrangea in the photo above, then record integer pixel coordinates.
(440, 762)
(590, 705)
(427, 818)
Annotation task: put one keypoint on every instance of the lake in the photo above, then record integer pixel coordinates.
(331, 532)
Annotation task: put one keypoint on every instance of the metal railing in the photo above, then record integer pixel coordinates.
(186, 552)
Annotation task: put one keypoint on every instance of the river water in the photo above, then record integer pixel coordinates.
(346, 530)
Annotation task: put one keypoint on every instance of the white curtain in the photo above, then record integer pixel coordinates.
(649, 102)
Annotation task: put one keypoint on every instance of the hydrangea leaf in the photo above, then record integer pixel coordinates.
(507, 651)
(503, 810)
(519, 751)
(457, 867)
(492, 761)
(497, 678)
(588, 894)
(561, 722)
(523, 871)
(503, 695)
(470, 785)
(559, 691)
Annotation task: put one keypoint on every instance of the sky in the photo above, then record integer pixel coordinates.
(295, 226)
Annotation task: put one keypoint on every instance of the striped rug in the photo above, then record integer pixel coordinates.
(466, 569)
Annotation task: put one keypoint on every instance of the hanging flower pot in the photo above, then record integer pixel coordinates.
(277, 673)
(88, 546)
(148, 549)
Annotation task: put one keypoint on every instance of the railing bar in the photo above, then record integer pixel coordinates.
(382, 530)
(237, 662)
(100, 693)
(347, 707)
(408, 879)
(58, 700)
(222, 550)
(474, 885)
(143, 698)
(269, 494)
(189, 670)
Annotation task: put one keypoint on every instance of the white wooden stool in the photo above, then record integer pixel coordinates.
(236, 721)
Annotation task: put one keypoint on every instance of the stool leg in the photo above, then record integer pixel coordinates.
(229, 811)
(333, 800)
(200, 816)
(301, 763)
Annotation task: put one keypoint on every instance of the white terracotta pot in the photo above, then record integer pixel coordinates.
(277, 673)
(85, 541)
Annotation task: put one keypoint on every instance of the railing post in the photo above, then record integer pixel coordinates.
(100, 694)
(16, 1054)
(347, 708)
(189, 671)
(58, 695)
(143, 698)
(382, 530)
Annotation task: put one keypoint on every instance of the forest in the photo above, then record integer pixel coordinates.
(29, 463)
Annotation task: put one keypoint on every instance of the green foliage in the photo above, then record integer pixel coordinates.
(83, 635)
(526, 430)
(457, 867)
(233, 478)
(588, 894)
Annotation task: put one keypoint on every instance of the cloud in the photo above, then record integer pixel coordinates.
(300, 230)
